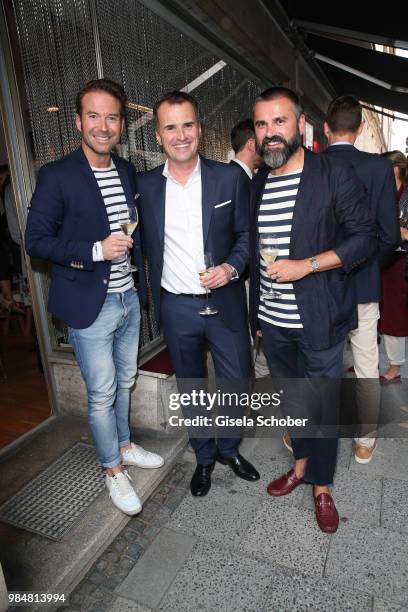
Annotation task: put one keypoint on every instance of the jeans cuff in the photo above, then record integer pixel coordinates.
(111, 464)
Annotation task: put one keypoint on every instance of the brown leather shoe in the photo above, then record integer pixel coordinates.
(284, 484)
(362, 454)
(326, 513)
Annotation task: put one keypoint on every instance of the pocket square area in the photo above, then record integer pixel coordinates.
(222, 204)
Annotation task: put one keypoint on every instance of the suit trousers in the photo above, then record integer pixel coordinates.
(188, 335)
(290, 356)
(363, 342)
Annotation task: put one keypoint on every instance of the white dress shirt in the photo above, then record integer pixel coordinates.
(183, 234)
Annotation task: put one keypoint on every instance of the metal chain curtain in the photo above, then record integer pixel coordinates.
(141, 51)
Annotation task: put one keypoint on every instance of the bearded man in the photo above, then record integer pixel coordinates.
(317, 210)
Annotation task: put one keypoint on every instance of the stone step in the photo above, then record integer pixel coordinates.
(33, 563)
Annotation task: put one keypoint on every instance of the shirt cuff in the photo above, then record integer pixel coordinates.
(233, 273)
(97, 253)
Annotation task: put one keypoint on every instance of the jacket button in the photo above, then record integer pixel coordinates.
(105, 282)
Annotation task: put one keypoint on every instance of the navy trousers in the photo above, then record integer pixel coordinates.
(289, 356)
(188, 335)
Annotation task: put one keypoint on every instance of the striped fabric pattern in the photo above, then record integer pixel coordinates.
(275, 216)
(115, 201)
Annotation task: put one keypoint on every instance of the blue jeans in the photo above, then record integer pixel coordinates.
(106, 352)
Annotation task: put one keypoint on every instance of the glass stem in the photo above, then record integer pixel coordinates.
(206, 299)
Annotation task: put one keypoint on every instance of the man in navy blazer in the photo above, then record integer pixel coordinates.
(318, 214)
(74, 222)
(342, 126)
(192, 206)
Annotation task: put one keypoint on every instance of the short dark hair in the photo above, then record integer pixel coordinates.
(175, 97)
(281, 92)
(106, 85)
(344, 115)
(241, 133)
(4, 168)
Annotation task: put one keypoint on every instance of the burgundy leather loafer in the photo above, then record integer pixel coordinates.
(326, 513)
(284, 484)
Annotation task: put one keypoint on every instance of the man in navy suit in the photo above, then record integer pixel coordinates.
(342, 127)
(318, 214)
(244, 147)
(191, 206)
(76, 209)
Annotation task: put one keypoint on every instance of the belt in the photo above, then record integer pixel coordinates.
(200, 296)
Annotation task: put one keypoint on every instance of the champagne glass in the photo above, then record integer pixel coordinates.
(269, 250)
(128, 219)
(203, 271)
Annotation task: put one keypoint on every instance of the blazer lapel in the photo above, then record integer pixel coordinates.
(157, 197)
(96, 196)
(208, 185)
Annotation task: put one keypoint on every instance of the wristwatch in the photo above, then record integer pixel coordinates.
(314, 264)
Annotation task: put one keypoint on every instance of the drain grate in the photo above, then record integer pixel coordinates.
(53, 501)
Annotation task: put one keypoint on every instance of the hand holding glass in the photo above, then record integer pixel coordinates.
(202, 273)
(128, 219)
(269, 250)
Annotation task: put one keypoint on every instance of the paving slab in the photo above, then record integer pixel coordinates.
(214, 578)
(121, 604)
(292, 591)
(345, 453)
(394, 509)
(220, 516)
(288, 536)
(375, 559)
(155, 571)
(390, 459)
(357, 496)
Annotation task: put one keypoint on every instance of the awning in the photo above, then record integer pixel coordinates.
(341, 42)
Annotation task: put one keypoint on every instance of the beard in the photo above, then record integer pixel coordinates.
(276, 158)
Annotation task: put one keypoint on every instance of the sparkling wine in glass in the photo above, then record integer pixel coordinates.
(203, 271)
(128, 220)
(269, 250)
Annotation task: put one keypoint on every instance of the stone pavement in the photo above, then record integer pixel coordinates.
(240, 550)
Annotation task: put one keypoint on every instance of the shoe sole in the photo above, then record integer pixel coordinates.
(145, 467)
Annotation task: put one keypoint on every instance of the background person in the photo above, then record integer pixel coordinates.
(393, 323)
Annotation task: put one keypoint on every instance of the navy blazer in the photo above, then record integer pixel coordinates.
(376, 174)
(66, 217)
(331, 212)
(225, 231)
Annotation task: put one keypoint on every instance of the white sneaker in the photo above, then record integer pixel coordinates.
(122, 493)
(142, 458)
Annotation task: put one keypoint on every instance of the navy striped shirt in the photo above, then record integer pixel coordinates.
(275, 216)
(115, 201)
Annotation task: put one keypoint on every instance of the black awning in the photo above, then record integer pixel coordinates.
(346, 83)
(389, 22)
(341, 41)
(390, 69)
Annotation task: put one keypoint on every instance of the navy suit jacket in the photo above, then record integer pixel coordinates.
(376, 174)
(331, 212)
(225, 231)
(66, 217)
